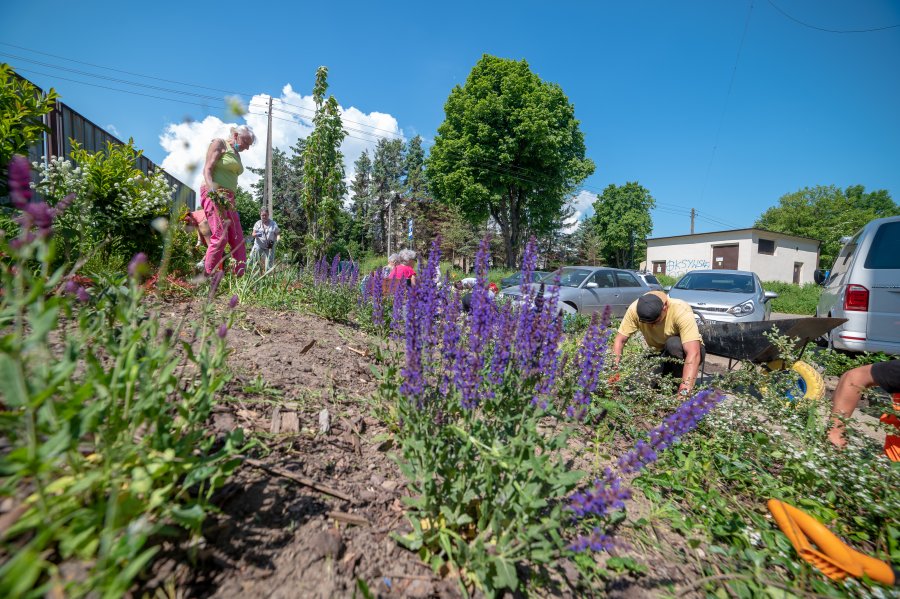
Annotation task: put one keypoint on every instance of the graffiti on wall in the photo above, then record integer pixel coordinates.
(676, 267)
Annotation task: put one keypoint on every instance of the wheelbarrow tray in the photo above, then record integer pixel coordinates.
(747, 340)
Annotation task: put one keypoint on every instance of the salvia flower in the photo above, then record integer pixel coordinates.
(233, 302)
(222, 331)
(138, 266)
(596, 541)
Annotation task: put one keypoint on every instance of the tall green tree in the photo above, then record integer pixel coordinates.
(510, 148)
(622, 220)
(323, 169)
(387, 190)
(361, 193)
(827, 213)
(287, 191)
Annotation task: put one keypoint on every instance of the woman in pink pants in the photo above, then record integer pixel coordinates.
(220, 176)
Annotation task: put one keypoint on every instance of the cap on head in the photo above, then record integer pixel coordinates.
(649, 307)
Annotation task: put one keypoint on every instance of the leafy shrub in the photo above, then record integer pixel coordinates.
(108, 447)
(112, 200)
(836, 363)
(794, 299)
(22, 110)
(666, 280)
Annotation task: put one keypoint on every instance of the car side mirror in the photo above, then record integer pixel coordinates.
(770, 295)
(591, 285)
(667, 288)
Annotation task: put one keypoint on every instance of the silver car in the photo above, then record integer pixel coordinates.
(725, 295)
(864, 287)
(587, 289)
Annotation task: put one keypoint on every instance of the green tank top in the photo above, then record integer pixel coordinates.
(227, 168)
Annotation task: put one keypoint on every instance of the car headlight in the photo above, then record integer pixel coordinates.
(742, 309)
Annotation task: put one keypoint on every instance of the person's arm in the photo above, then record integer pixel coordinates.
(691, 367)
(618, 346)
(216, 149)
(846, 398)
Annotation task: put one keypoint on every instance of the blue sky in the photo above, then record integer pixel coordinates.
(650, 82)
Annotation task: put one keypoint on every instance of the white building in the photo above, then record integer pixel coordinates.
(772, 256)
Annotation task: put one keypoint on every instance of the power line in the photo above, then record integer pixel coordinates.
(514, 172)
(810, 26)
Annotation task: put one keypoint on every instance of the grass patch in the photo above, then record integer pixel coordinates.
(794, 299)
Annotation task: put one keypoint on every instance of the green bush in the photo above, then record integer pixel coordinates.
(22, 110)
(107, 445)
(114, 202)
(794, 299)
(666, 280)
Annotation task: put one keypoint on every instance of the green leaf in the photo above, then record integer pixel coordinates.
(505, 574)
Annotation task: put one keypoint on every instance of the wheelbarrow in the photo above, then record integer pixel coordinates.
(747, 342)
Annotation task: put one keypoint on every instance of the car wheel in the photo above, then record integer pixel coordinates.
(572, 305)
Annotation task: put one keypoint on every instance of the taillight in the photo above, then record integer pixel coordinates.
(856, 298)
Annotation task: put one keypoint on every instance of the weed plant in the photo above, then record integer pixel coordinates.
(794, 299)
(105, 447)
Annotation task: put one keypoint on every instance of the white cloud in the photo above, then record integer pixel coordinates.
(583, 204)
(112, 129)
(186, 143)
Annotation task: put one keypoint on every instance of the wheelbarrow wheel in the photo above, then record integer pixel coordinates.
(810, 385)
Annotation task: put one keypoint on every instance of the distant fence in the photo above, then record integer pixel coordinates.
(66, 124)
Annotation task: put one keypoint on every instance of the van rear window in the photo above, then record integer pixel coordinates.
(885, 250)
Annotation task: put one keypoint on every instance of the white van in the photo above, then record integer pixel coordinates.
(864, 287)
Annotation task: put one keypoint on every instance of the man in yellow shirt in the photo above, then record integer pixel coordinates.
(669, 327)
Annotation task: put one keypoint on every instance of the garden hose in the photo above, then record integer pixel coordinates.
(830, 555)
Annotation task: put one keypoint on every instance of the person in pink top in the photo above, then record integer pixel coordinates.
(220, 181)
(404, 268)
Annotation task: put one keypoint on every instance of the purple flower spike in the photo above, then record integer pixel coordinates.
(223, 330)
(19, 181)
(138, 265)
(233, 302)
(214, 283)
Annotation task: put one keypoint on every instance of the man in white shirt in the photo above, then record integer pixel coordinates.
(265, 234)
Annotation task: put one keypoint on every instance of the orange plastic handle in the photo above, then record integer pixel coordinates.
(830, 555)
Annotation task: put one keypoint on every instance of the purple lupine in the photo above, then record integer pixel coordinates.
(676, 425)
(470, 361)
(596, 541)
(606, 495)
(77, 291)
(214, 282)
(19, 172)
(376, 282)
(398, 313)
(450, 337)
(591, 357)
(413, 382)
(138, 266)
(335, 265)
(503, 335)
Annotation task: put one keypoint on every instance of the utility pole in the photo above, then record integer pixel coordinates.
(269, 163)
(693, 214)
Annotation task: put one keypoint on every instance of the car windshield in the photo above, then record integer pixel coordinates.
(711, 281)
(569, 276)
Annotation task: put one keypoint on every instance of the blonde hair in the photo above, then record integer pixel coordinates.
(242, 130)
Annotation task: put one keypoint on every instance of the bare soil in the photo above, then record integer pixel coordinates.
(275, 537)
